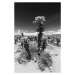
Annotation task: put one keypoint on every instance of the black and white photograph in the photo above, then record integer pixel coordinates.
(37, 37)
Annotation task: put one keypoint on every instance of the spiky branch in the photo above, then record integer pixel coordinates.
(40, 20)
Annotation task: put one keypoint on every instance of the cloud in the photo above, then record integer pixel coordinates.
(52, 32)
(18, 32)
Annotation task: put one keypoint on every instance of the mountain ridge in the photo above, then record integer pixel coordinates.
(35, 33)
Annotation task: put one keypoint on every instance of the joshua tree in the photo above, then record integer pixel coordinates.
(40, 20)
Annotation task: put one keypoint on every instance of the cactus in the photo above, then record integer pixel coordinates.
(40, 20)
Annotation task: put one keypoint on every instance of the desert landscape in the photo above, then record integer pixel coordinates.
(36, 64)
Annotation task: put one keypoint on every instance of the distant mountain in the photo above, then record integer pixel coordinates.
(35, 33)
(52, 32)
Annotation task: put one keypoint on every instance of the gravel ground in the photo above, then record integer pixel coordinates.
(32, 67)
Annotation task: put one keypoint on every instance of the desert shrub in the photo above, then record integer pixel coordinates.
(33, 47)
(45, 61)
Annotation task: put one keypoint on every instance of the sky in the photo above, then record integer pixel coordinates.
(25, 13)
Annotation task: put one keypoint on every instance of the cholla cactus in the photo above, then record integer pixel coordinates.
(40, 19)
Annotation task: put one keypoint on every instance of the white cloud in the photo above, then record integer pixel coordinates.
(18, 32)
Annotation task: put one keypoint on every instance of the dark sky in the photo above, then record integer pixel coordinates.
(25, 13)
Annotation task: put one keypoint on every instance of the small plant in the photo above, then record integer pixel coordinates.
(45, 61)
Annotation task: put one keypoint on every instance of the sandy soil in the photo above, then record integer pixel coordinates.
(32, 67)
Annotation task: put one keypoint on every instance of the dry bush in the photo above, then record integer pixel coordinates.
(45, 61)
